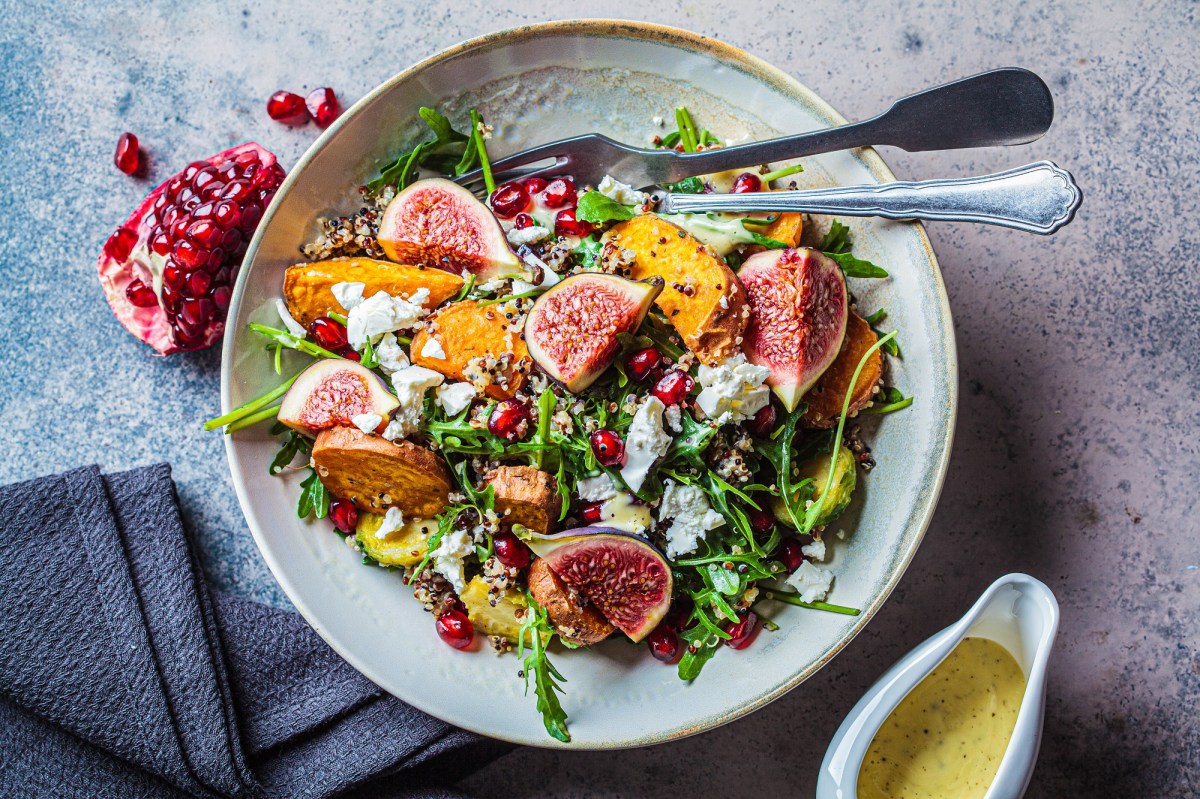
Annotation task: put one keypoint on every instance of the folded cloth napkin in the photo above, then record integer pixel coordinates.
(123, 675)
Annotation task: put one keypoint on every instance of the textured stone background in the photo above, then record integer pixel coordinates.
(1076, 457)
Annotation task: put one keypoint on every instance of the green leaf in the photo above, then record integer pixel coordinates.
(314, 499)
(767, 241)
(536, 630)
(876, 317)
(856, 267)
(670, 140)
(402, 171)
(293, 444)
(440, 126)
(692, 185)
(724, 580)
(836, 240)
(692, 662)
(594, 207)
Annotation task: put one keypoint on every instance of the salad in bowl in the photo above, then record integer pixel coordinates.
(559, 417)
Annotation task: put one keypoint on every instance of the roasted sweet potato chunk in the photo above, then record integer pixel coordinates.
(575, 621)
(787, 228)
(825, 398)
(377, 474)
(469, 334)
(306, 287)
(525, 495)
(702, 297)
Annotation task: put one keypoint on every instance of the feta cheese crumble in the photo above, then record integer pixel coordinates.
(815, 550)
(393, 520)
(288, 320)
(595, 489)
(447, 559)
(390, 354)
(691, 517)
(645, 442)
(348, 295)
(673, 416)
(534, 233)
(455, 397)
(622, 193)
(433, 349)
(383, 313)
(367, 422)
(732, 391)
(410, 385)
(811, 581)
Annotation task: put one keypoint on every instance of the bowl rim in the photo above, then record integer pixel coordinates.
(719, 51)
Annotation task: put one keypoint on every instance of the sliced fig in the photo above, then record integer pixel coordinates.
(798, 314)
(168, 271)
(621, 574)
(438, 223)
(331, 393)
(572, 329)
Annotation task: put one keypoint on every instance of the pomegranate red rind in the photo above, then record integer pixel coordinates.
(330, 393)
(798, 308)
(625, 577)
(439, 223)
(168, 271)
(572, 329)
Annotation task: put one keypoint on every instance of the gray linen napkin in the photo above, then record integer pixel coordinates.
(123, 675)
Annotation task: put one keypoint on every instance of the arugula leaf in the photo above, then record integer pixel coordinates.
(692, 185)
(857, 267)
(293, 444)
(767, 241)
(534, 626)
(893, 400)
(594, 207)
(403, 170)
(891, 348)
(314, 498)
(836, 240)
(692, 662)
(588, 251)
(724, 580)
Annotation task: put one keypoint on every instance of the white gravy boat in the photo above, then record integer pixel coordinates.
(1017, 612)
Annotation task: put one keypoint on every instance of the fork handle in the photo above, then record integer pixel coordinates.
(1038, 198)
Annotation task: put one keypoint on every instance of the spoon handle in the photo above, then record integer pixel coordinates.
(1038, 198)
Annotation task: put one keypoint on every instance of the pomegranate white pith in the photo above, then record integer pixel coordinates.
(330, 393)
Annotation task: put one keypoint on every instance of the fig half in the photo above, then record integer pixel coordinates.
(572, 329)
(438, 223)
(621, 574)
(798, 311)
(330, 393)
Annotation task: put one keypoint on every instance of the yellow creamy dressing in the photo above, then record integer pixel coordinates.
(947, 737)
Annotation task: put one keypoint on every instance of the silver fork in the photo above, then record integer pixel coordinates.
(1004, 106)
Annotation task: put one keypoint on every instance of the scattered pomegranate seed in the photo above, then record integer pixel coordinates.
(534, 185)
(287, 107)
(559, 192)
(322, 106)
(509, 199)
(592, 513)
(789, 554)
(664, 644)
(510, 550)
(760, 520)
(128, 157)
(328, 333)
(344, 515)
(744, 631)
(509, 420)
(456, 629)
(747, 182)
(641, 363)
(523, 221)
(763, 423)
(673, 387)
(120, 243)
(140, 294)
(349, 354)
(565, 224)
(608, 448)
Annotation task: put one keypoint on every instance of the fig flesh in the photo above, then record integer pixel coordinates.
(798, 309)
(572, 329)
(623, 575)
(331, 393)
(438, 223)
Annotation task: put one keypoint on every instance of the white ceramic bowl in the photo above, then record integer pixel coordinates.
(537, 84)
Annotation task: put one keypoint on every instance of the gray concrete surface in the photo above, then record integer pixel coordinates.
(1076, 458)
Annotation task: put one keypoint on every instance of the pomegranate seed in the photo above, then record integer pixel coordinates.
(287, 107)
(198, 283)
(509, 420)
(127, 157)
(509, 199)
(120, 244)
(344, 515)
(534, 185)
(747, 182)
(236, 190)
(251, 215)
(565, 224)
(744, 631)
(161, 243)
(322, 105)
(140, 294)
(559, 192)
(664, 644)
(592, 513)
(641, 363)
(456, 629)
(204, 233)
(328, 333)
(789, 554)
(760, 520)
(220, 298)
(763, 423)
(173, 276)
(523, 221)
(191, 169)
(203, 178)
(203, 212)
(349, 354)
(673, 387)
(230, 239)
(196, 312)
(608, 448)
(227, 214)
(510, 550)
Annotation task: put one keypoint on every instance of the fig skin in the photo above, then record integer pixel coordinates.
(438, 223)
(572, 329)
(798, 310)
(330, 393)
(575, 622)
